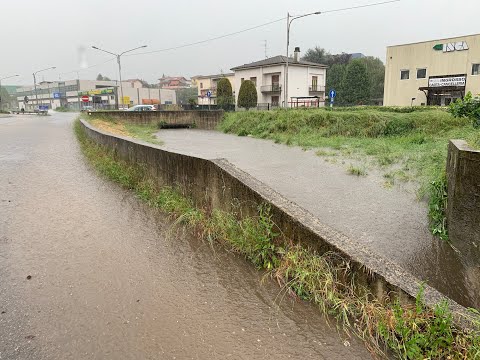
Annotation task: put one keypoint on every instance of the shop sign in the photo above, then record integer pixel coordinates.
(96, 92)
(451, 47)
(447, 81)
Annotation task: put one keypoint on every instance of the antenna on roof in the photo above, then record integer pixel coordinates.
(266, 48)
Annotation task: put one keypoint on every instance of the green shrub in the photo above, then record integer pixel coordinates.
(247, 96)
(468, 107)
(224, 94)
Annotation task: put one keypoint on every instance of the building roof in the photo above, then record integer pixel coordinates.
(434, 40)
(212, 76)
(278, 60)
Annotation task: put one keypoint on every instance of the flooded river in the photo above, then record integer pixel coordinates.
(89, 272)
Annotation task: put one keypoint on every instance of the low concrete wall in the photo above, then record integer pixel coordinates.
(219, 184)
(463, 207)
(207, 120)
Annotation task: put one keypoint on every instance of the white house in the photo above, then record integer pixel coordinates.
(306, 81)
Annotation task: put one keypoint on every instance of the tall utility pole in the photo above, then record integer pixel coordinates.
(35, 80)
(290, 19)
(6, 77)
(118, 56)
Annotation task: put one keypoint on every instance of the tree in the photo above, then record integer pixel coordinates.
(321, 56)
(102, 78)
(376, 75)
(224, 94)
(335, 75)
(4, 98)
(184, 95)
(317, 55)
(355, 85)
(247, 96)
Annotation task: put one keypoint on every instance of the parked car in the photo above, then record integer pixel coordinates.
(87, 108)
(142, 108)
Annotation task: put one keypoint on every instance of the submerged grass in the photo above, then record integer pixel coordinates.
(406, 144)
(327, 280)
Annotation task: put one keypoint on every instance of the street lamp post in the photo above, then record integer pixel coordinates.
(35, 81)
(119, 64)
(6, 77)
(290, 19)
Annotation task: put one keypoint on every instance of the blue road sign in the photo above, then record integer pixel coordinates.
(209, 94)
(333, 94)
(56, 95)
(43, 107)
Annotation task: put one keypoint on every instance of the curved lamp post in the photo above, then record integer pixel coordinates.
(290, 19)
(35, 80)
(119, 64)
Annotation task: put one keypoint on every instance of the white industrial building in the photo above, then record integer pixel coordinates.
(306, 81)
(101, 94)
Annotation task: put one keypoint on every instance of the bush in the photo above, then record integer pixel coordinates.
(468, 107)
(247, 96)
(224, 94)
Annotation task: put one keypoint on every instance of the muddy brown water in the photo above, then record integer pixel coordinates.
(89, 272)
(389, 222)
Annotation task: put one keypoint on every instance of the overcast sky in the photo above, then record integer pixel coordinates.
(37, 34)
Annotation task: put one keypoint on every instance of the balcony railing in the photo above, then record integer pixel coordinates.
(274, 88)
(317, 89)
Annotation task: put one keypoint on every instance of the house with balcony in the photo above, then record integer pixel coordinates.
(207, 84)
(306, 81)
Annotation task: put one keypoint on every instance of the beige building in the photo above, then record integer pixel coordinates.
(207, 85)
(432, 73)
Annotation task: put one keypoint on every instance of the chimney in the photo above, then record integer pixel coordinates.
(296, 55)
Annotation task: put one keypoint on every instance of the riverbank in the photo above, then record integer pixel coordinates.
(409, 331)
(407, 147)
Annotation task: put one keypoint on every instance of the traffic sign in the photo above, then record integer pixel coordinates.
(85, 98)
(209, 94)
(333, 94)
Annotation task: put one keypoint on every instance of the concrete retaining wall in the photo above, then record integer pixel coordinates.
(207, 120)
(219, 184)
(463, 209)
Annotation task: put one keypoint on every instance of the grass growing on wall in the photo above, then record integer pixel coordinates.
(408, 332)
(407, 144)
(144, 132)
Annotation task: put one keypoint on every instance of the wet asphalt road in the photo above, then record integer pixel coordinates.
(89, 272)
(388, 222)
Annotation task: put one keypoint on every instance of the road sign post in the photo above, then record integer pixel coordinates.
(332, 95)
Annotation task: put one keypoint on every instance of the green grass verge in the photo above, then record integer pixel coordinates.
(327, 280)
(407, 144)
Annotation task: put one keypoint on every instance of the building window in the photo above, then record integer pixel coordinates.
(242, 80)
(404, 74)
(421, 73)
(254, 80)
(476, 69)
(201, 85)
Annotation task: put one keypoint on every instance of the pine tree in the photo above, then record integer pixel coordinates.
(356, 85)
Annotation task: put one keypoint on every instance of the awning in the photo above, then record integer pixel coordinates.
(442, 88)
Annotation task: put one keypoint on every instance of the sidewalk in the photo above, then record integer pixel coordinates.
(391, 222)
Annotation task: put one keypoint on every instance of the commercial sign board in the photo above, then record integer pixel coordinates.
(451, 47)
(447, 81)
(97, 92)
(57, 95)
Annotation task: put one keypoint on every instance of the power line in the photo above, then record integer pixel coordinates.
(236, 33)
(360, 6)
(208, 40)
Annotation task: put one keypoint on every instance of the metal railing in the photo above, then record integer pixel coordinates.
(271, 88)
(317, 88)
